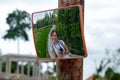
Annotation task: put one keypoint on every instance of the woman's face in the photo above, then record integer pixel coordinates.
(54, 37)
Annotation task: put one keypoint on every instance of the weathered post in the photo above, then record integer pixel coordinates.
(70, 69)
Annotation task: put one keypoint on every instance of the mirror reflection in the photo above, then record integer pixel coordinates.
(58, 33)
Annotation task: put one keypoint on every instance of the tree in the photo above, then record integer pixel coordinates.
(48, 19)
(19, 22)
(111, 62)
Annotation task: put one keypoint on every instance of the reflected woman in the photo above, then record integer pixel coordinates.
(58, 48)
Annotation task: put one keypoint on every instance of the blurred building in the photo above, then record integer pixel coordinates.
(21, 60)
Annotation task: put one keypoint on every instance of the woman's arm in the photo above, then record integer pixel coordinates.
(66, 49)
(53, 54)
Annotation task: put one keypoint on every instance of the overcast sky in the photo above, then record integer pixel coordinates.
(102, 30)
(6, 6)
(102, 25)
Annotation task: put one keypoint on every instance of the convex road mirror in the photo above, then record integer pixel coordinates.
(58, 33)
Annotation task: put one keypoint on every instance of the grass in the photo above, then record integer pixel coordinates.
(53, 78)
(41, 41)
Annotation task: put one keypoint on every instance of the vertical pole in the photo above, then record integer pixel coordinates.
(33, 70)
(22, 70)
(28, 69)
(71, 69)
(0, 66)
(18, 46)
(8, 68)
(17, 69)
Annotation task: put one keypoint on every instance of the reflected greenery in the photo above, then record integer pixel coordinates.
(66, 22)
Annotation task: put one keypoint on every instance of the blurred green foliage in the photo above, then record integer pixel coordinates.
(67, 22)
(41, 41)
(112, 65)
(68, 27)
(19, 22)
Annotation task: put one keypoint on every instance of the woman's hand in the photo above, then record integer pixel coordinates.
(66, 49)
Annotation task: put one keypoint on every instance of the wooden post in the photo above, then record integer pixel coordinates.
(71, 69)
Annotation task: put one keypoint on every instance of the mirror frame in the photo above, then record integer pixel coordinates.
(81, 28)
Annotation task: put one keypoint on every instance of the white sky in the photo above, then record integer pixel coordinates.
(102, 25)
(10, 46)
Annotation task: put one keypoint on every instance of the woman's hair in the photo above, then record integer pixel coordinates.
(53, 32)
